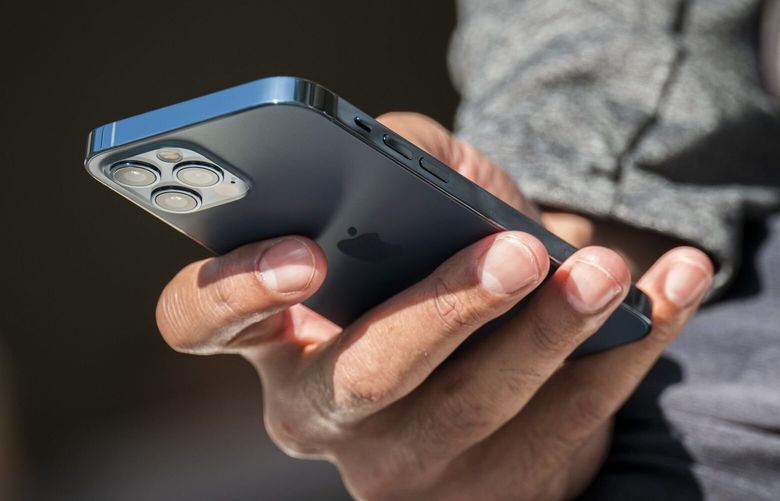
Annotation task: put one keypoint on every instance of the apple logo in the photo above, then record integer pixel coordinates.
(367, 247)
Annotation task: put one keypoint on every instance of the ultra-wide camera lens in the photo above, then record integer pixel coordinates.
(176, 201)
(197, 175)
(134, 174)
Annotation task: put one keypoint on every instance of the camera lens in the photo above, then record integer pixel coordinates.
(198, 176)
(134, 174)
(176, 201)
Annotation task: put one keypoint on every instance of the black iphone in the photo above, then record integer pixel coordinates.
(283, 155)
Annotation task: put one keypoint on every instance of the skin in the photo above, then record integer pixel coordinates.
(509, 418)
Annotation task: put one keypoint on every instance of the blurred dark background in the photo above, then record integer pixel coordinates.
(93, 404)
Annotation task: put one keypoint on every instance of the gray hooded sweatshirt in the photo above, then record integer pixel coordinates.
(658, 114)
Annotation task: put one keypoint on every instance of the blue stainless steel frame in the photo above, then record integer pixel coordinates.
(272, 90)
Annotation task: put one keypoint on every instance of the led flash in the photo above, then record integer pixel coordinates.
(169, 155)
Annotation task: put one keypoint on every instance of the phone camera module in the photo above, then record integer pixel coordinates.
(135, 174)
(198, 175)
(175, 180)
(173, 200)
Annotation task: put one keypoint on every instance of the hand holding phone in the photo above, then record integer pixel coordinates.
(504, 417)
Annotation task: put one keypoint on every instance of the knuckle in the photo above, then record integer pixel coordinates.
(519, 380)
(548, 337)
(229, 291)
(588, 409)
(360, 394)
(464, 414)
(459, 416)
(235, 298)
(359, 386)
(453, 311)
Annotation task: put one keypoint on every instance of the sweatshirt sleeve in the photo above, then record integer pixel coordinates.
(649, 113)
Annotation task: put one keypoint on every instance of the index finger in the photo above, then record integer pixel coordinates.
(391, 349)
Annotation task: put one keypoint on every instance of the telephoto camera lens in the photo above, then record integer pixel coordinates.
(198, 176)
(134, 174)
(176, 201)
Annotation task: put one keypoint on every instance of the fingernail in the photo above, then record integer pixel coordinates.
(685, 281)
(590, 288)
(287, 266)
(508, 266)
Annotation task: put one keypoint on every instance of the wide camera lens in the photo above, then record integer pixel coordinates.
(176, 201)
(198, 176)
(133, 174)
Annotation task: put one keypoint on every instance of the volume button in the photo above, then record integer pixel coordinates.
(434, 168)
(398, 146)
(362, 124)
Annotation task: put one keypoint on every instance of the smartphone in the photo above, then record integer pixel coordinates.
(284, 155)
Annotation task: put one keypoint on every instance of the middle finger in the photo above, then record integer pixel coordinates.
(478, 392)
